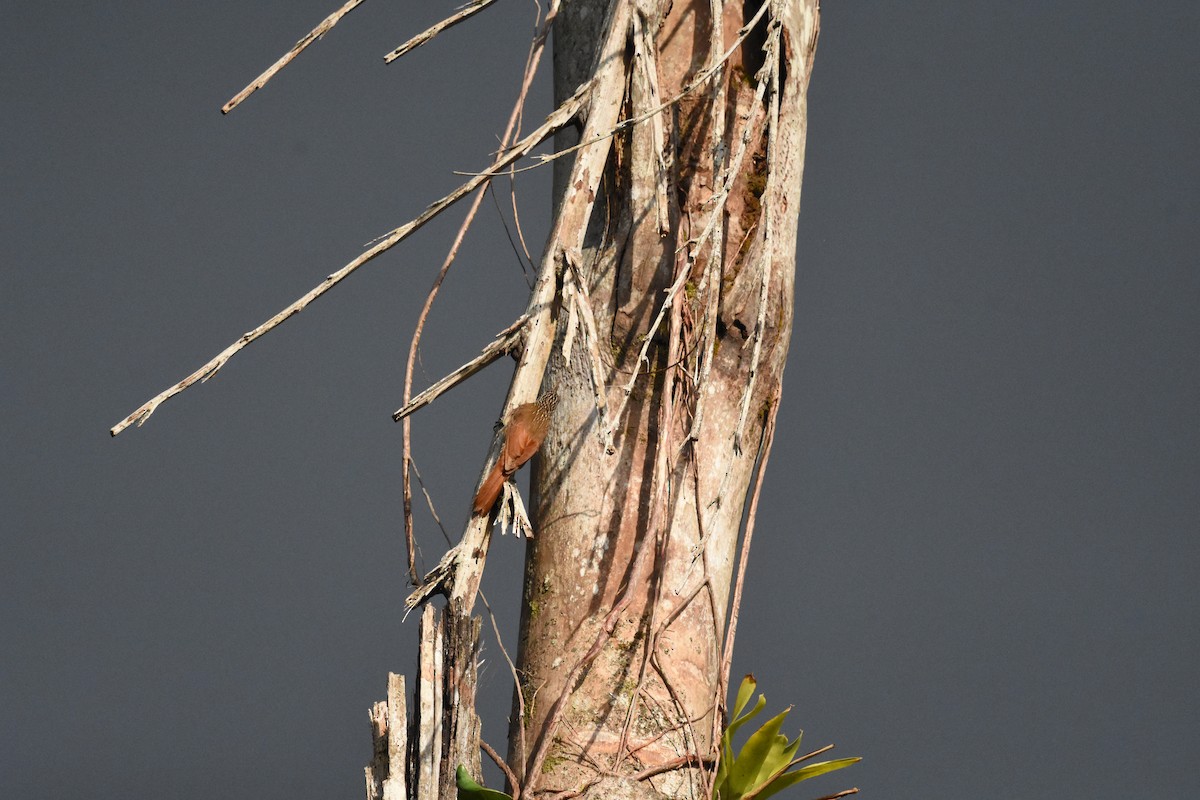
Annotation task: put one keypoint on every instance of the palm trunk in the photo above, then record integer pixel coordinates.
(625, 623)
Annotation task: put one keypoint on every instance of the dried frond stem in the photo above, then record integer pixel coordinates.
(845, 793)
(504, 342)
(560, 117)
(537, 47)
(464, 13)
(313, 35)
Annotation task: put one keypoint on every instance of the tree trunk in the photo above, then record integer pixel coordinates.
(625, 628)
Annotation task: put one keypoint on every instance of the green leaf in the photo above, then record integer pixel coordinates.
(470, 790)
(752, 759)
(738, 722)
(778, 760)
(745, 692)
(792, 778)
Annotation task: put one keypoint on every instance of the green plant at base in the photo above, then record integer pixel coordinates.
(761, 767)
(468, 789)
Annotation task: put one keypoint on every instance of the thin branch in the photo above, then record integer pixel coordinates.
(760, 323)
(813, 754)
(313, 35)
(508, 773)
(512, 668)
(664, 468)
(557, 119)
(732, 171)
(572, 793)
(536, 49)
(582, 303)
(844, 793)
(512, 193)
(674, 763)
(466, 12)
(414, 343)
(647, 341)
(504, 342)
(768, 437)
(701, 78)
(697, 82)
(716, 251)
(522, 259)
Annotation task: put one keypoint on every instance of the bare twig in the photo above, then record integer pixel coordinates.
(561, 116)
(697, 82)
(813, 754)
(464, 13)
(716, 249)
(313, 35)
(844, 793)
(522, 258)
(674, 763)
(414, 344)
(647, 341)
(512, 193)
(536, 48)
(582, 305)
(603, 94)
(572, 793)
(500, 762)
(760, 323)
(732, 171)
(768, 436)
(409, 539)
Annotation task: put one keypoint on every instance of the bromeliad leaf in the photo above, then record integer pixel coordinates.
(737, 719)
(468, 789)
(752, 759)
(745, 692)
(787, 779)
(760, 769)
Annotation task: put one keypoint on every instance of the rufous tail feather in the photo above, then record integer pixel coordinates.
(489, 491)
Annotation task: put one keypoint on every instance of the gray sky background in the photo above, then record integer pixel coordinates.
(976, 563)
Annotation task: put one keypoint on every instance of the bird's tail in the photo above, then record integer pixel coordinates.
(489, 491)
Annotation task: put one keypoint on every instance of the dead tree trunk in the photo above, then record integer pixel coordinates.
(661, 317)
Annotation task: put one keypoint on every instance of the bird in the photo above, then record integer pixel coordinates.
(523, 436)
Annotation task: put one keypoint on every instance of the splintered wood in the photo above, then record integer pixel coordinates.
(424, 768)
(386, 779)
